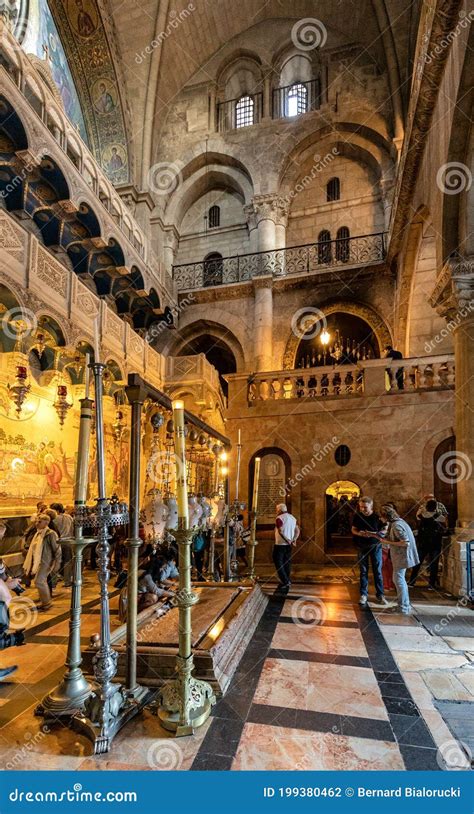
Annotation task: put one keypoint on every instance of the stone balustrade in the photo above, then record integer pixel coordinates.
(186, 372)
(373, 377)
(51, 133)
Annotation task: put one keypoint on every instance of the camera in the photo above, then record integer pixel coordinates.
(19, 590)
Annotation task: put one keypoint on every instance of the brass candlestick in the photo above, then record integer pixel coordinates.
(185, 702)
(71, 694)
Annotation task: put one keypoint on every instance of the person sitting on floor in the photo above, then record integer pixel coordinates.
(17, 637)
(153, 581)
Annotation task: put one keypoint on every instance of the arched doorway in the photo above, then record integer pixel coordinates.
(445, 489)
(341, 502)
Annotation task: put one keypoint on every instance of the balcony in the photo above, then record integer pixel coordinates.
(352, 252)
(370, 378)
(242, 112)
(296, 99)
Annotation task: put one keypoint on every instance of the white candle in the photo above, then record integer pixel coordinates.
(238, 439)
(256, 476)
(237, 477)
(87, 374)
(180, 460)
(96, 340)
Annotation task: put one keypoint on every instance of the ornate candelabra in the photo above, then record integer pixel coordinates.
(185, 702)
(109, 706)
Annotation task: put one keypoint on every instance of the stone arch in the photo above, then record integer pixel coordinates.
(418, 323)
(204, 180)
(201, 327)
(427, 480)
(365, 312)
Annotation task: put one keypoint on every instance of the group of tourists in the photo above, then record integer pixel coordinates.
(384, 541)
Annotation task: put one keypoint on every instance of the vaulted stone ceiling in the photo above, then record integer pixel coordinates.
(384, 29)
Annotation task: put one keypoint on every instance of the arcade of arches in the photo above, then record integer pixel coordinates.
(278, 231)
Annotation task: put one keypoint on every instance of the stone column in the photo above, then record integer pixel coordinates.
(267, 97)
(263, 324)
(170, 244)
(453, 298)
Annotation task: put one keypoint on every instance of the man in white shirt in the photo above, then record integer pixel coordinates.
(286, 535)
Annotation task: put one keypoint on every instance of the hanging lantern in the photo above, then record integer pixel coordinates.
(39, 344)
(61, 404)
(19, 391)
(118, 426)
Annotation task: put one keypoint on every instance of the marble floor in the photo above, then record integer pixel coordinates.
(323, 684)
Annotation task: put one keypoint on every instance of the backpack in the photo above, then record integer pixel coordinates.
(199, 542)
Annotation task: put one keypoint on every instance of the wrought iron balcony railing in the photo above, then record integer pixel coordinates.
(363, 250)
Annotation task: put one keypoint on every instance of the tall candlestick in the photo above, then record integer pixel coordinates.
(253, 521)
(237, 478)
(256, 476)
(180, 457)
(96, 340)
(87, 375)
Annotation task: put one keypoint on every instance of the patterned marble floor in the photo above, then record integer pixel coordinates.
(323, 684)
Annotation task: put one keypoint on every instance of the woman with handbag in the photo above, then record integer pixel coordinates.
(43, 557)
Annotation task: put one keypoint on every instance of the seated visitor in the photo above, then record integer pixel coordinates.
(153, 581)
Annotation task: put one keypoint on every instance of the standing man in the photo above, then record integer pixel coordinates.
(366, 525)
(63, 524)
(403, 553)
(391, 353)
(286, 535)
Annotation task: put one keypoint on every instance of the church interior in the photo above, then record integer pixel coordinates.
(206, 209)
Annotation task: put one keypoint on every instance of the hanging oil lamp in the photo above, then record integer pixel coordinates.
(19, 391)
(61, 404)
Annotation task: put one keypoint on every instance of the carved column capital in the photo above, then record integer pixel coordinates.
(267, 207)
(453, 295)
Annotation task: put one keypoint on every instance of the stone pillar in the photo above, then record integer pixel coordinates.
(453, 298)
(267, 97)
(170, 244)
(213, 123)
(263, 324)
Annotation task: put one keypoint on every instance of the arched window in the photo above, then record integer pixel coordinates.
(342, 244)
(324, 247)
(244, 112)
(342, 455)
(333, 190)
(214, 217)
(213, 269)
(296, 99)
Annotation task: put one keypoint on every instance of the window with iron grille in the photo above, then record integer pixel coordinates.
(296, 99)
(333, 190)
(214, 217)
(244, 112)
(342, 244)
(342, 455)
(324, 247)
